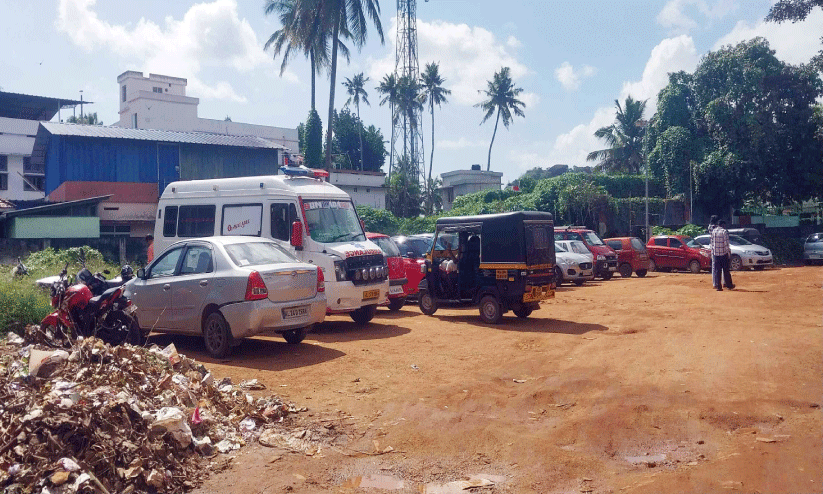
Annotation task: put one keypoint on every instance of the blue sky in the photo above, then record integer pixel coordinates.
(572, 59)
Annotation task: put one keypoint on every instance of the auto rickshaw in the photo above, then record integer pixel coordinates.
(497, 262)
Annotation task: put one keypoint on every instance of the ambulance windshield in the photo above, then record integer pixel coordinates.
(332, 221)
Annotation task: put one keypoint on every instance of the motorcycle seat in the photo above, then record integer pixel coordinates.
(95, 301)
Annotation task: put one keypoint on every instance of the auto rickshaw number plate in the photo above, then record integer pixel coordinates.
(502, 274)
(371, 294)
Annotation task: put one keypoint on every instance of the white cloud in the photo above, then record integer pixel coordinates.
(792, 42)
(468, 57)
(674, 14)
(513, 42)
(570, 78)
(670, 55)
(208, 35)
(461, 143)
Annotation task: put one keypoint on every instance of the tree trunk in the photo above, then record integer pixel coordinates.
(332, 77)
(360, 134)
(391, 156)
(311, 56)
(496, 121)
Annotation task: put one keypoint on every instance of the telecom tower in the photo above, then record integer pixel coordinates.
(406, 132)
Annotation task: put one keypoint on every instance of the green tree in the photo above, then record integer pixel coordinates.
(87, 119)
(312, 140)
(408, 106)
(404, 195)
(501, 97)
(356, 89)
(795, 11)
(431, 195)
(746, 120)
(388, 89)
(346, 143)
(624, 138)
(301, 33)
(347, 18)
(435, 94)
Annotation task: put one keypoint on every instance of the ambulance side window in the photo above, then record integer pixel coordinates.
(282, 216)
(170, 223)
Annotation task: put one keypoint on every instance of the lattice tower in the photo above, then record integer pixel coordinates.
(406, 130)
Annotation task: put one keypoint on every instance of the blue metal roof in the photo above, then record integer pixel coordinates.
(158, 135)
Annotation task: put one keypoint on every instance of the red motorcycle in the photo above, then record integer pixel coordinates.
(91, 307)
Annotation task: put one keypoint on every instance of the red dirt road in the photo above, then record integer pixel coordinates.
(713, 391)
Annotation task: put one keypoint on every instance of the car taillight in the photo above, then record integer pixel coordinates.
(321, 281)
(255, 288)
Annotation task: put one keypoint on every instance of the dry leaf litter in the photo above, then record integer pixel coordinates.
(125, 419)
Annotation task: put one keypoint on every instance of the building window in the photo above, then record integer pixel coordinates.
(355, 189)
(4, 175)
(33, 175)
(134, 121)
(115, 230)
(123, 93)
(157, 90)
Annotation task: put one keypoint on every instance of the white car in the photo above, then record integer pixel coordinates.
(226, 289)
(744, 253)
(813, 248)
(574, 262)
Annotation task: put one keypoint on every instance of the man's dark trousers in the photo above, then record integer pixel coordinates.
(722, 265)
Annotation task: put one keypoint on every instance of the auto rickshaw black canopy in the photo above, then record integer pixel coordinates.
(505, 238)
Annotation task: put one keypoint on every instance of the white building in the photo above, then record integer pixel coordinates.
(461, 182)
(20, 115)
(159, 102)
(365, 188)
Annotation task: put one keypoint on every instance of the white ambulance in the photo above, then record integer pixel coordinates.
(313, 218)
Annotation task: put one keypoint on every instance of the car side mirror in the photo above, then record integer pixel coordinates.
(297, 235)
(141, 273)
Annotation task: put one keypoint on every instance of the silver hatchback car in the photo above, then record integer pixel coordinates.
(813, 248)
(228, 288)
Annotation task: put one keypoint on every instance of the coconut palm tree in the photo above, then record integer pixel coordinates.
(624, 138)
(435, 94)
(501, 97)
(348, 18)
(408, 105)
(298, 36)
(356, 89)
(388, 88)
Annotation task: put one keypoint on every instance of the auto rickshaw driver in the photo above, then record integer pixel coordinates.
(448, 271)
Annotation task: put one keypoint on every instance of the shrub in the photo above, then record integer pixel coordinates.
(378, 220)
(691, 230)
(662, 230)
(784, 250)
(21, 303)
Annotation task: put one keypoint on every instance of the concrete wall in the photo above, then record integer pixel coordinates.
(365, 188)
(35, 227)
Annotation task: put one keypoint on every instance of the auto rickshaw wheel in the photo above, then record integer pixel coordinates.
(490, 310)
(523, 311)
(427, 303)
(640, 273)
(607, 275)
(626, 270)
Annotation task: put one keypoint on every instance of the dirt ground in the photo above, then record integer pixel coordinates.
(633, 385)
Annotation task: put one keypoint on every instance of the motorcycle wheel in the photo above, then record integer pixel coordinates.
(120, 329)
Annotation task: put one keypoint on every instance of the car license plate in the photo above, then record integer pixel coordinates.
(293, 312)
(612, 268)
(131, 309)
(395, 290)
(371, 294)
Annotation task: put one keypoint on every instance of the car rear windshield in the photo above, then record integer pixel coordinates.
(387, 245)
(638, 245)
(258, 253)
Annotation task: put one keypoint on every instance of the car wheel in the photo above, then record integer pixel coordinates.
(490, 310)
(364, 314)
(607, 275)
(295, 336)
(579, 282)
(524, 311)
(694, 266)
(558, 276)
(640, 273)
(626, 270)
(652, 266)
(736, 264)
(217, 336)
(395, 304)
(427, 303)
(759, 268)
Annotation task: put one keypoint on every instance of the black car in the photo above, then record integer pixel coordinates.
(499, 262)
(414, 246)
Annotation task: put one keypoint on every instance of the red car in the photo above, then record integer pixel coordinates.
(397, 269)
(631, 255)
(414, 249)
(671, 252)
(605, 259)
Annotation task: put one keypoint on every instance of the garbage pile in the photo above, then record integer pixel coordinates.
(125, 419)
